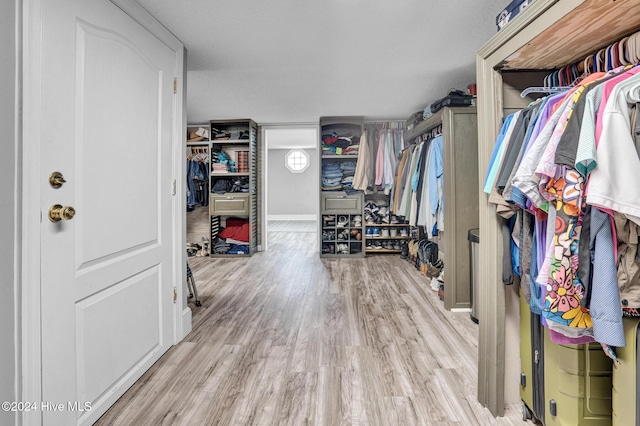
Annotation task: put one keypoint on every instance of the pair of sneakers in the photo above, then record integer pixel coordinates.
(342, 248)
(372, 231)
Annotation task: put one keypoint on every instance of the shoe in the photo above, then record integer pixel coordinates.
(405, 250)
(404, 232)
(343, 221)
(434, 284)
(396, 245)
(376, 231)
(369, 245)
(393, 232)
(394, 220)
(377, 245)
(369, 232)
(384, 233)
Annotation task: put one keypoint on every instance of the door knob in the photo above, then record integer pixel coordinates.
(58, 213)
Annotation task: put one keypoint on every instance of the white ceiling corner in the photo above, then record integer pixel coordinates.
(291, 61)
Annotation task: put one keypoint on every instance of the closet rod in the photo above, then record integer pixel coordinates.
(625, 51)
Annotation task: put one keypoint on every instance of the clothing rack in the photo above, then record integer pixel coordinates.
(198, 152)
(625, 51)
(393, 125)
(428, 134)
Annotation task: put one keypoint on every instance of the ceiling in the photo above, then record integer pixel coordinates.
(293, 61)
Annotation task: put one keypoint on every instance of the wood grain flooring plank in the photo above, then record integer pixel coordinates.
(287, 338)
(298, 400)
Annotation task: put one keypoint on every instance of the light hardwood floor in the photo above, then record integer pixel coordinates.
(285, 338)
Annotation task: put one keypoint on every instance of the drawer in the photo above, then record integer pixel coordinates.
(229, 204)
(340, 202)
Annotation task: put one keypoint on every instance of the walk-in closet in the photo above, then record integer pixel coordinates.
(535, 71)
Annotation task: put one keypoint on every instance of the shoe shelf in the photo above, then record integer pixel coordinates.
(388, 238)
(223, 174)
(342, 235)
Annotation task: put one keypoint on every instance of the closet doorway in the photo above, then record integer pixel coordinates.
(290, 186)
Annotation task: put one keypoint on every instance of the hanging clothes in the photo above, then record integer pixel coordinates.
(563, 167)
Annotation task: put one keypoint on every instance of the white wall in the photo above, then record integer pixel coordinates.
(8, 192)
(291, 193)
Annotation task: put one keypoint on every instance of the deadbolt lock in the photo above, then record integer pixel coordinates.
(56, 180)
(58, 213)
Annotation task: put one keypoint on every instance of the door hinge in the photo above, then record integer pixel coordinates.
(175, 85)
(175, 294)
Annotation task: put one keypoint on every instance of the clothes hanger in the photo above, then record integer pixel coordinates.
(541, 89)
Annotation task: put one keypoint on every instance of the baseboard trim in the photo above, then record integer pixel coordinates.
(186, 322)
(460, 309)
(292, 217)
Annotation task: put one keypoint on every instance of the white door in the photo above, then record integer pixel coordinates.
(107, 104)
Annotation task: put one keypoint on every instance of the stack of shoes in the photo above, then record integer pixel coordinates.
(435, 282)
(327, 248)
(357, 221)
(328, 235)
(383, 214)
(434, 270)
(384, 233)
(374, 214)
(404, 232)
(205, 248)
(342, 248)
(393, 232)
(328, 220)
(342, 221)
(193, 249)
(413, 250)
(343, 235)
(370, 213)
(355, 234)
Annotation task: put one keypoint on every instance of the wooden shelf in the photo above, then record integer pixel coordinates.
(373, 225)
(389, 238)
(230, 141)
(338, 156)
(228, 174)
(381, 251)
(199, 143)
